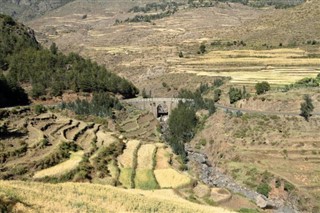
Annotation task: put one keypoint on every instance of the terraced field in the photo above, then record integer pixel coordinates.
(278, 66)
(142, 125)
(287, 147)
(51, 147)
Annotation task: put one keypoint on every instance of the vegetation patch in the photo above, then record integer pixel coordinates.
(145, 179)
(62, 168)
(125, 177)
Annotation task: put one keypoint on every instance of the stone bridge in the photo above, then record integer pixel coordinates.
(158, 106)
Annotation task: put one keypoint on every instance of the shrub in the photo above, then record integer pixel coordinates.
(306, 107)
(262, 87)
(38, 109)
(235, 95)
(218, 82)
(202, 48)
(217, 94)
(264, 189)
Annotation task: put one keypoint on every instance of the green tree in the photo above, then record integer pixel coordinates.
(262, 87)
(54, 48)
(11, 94)
(182, 123)
(235, 95)
(144, 93)
(306, 107)
(202, 48)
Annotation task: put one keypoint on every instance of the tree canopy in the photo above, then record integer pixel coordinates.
(49, 71)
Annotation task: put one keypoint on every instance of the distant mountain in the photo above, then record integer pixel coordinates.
(28, 9)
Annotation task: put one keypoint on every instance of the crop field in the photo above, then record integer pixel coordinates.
(126, 160)
(139, 124)
(126, 177)
(84, 197)
(278, 66)
(170, 178)
(145, 178)
(162, 159)
(61, 168)
(145, 156)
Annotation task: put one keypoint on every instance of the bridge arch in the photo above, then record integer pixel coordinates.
(162, 110)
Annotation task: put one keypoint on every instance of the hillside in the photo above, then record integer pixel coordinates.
(83, 197)
(143, 52)
(49, 72)
(147, 53)
(294, 27)
(29, 9)
(54, 147)
(280, 153)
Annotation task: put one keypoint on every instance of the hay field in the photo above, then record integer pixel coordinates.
(144, 178)
(170, 178)
(278, 66)
(145, 156)
(126, 159)
(85, 197)
(162, 159)
(61, 168)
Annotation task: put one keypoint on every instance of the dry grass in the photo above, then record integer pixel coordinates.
(145, 156)
(61, 168)
(162, 159)
(105, 138)
(126, 159)
(170, 178)
(84, 197)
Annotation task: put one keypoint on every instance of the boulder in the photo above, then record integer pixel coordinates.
(261, 201)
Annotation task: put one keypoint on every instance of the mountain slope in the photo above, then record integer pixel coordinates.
(28, 9)
(50, 72)
(290, 26)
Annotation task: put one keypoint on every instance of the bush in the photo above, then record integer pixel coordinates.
(217, 94)
(38, 109)
(264, 189)
(218, 82)
(202, 48)
(262, 87)
(306, 107)
(235, 95)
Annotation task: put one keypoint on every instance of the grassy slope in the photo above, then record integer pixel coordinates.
(246, 146)
(296, 24)
(96, 198)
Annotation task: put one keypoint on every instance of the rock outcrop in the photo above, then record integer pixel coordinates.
(214, 177)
